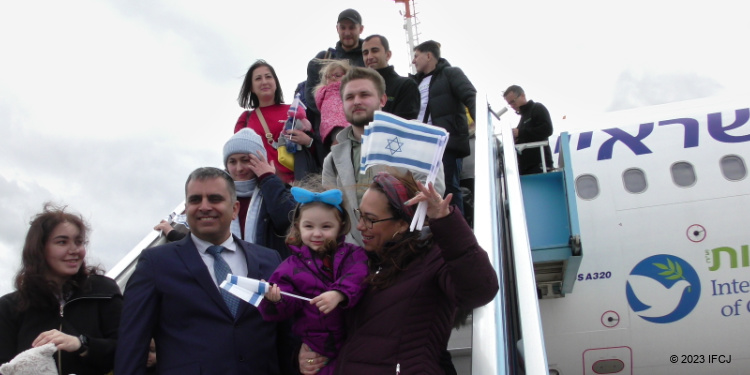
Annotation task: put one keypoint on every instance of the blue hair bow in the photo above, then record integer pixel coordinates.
(332, 197)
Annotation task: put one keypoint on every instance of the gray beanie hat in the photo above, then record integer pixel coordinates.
(245, 141)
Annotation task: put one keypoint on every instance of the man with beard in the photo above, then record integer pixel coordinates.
(363, 93)
(349, 47)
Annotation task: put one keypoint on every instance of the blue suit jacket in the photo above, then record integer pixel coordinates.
(172, 298)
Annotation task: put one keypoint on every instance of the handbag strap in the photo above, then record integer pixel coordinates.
(269, 136)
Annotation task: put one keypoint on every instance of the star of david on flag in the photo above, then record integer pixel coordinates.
(408, 144)
(394, 145)
(393, 141)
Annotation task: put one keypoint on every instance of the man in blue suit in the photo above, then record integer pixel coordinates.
(173, 296)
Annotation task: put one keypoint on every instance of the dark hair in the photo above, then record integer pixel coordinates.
(34, 289)
(383, 41)
(396, 255)
(429, 46)
(209, 173)
(313, 182)
(513, 89)
(357, 72)
(247, 98)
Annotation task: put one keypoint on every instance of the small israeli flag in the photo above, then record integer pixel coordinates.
(250, 290)
(242, 293)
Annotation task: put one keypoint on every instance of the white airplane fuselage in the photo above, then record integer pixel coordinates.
(664, 283)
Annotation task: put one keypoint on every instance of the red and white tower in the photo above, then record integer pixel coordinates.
(410, 27)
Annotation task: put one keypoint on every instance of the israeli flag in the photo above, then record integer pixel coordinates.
(409, 144)
(253, 285)
(250, 290)
(393, 141)
(242, 293)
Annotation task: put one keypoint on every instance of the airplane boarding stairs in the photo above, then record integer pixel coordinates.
(552, 223)
(532, 261)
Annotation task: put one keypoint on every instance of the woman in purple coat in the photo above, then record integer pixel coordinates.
(322, 267)
(417, 283)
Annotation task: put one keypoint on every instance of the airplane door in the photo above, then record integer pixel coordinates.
(617, 360)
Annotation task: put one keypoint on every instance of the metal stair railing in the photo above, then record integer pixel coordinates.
(511, 324)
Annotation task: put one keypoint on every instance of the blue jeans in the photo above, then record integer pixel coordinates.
(452, 168)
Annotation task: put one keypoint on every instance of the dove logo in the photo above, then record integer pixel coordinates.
(663, 288)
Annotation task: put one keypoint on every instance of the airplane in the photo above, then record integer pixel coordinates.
(628, 257)
(662, 286)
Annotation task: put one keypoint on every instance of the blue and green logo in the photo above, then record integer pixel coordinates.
(663, 288)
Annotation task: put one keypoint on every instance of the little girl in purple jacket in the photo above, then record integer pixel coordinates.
(322, 267)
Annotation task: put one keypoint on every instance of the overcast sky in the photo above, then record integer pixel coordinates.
(106, 106)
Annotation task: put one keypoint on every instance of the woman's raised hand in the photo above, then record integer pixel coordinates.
(437, 207)
(260, 165)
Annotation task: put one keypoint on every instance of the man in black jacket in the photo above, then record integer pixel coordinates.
(446, 94)
(349, 47)
(402, 92)
(535, 126)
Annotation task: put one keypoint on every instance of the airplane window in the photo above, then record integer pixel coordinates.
(733, 167)
(587, 187)
(683, 174)
(634, 180)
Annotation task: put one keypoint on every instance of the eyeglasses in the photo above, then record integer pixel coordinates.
(368, 223)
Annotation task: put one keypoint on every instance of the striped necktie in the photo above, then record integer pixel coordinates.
(221, 270)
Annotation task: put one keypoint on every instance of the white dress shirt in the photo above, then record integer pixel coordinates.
(234, 258)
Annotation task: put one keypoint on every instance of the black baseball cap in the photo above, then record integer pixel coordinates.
(351, 15)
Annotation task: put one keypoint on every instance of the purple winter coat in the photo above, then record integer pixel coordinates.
(406, 326)
(301, 274)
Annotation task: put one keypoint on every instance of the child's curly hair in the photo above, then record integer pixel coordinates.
(313, 183)
(328, 67)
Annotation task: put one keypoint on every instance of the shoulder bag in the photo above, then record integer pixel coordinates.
(285, 157)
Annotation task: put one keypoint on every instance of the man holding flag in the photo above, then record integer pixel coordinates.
(174, 296)
(363, 93)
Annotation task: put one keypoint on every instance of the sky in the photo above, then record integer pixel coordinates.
(107, 106)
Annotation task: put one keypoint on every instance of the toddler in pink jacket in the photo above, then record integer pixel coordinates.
(328, 100)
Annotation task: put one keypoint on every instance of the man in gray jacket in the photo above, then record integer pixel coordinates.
(363, 93)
